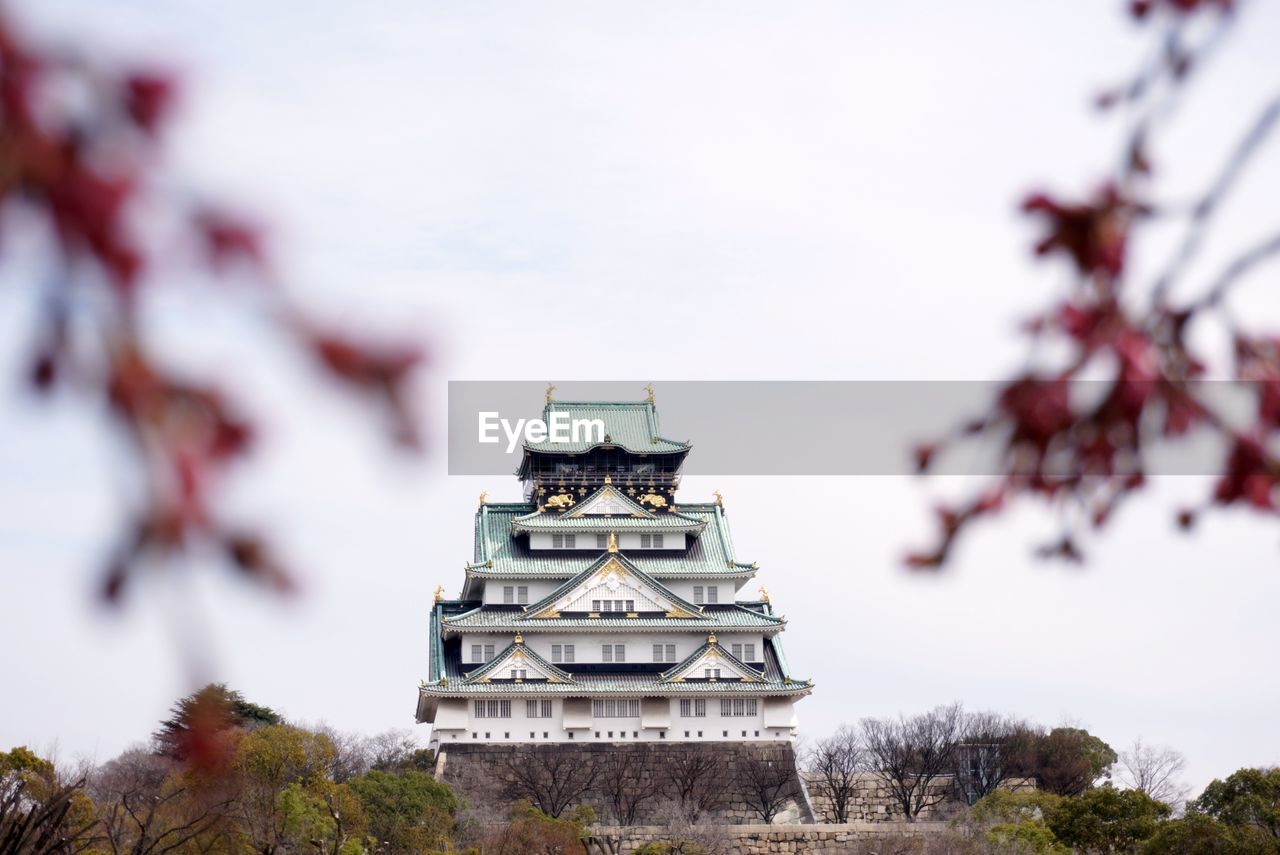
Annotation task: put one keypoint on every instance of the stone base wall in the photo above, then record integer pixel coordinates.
(855, 837)
(872, 802)
(484, 775)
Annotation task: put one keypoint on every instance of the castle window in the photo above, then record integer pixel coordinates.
(537, 709)
(692, 708)
(650, 541)
(697, 594)
(568, 653)
(477, 654)
(518, 673)
(508, 594)
(664, 653)
(493, 709)
(615, 708)
(745, 652)
(602, 541)
(563, 541)
(488, 653)
(737, 707)
(522, 595)
(613, 653)
(711, 673)
(712, 595)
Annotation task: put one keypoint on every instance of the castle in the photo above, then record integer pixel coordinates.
(601, 609)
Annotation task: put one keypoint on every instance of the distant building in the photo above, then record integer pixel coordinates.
(601, 609)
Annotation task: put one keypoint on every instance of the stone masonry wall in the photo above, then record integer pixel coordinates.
(768, 839)
(482, 774)
(871, 801)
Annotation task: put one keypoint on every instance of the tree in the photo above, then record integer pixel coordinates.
(1248, 797)
(549, 779)
(990, 750)
(199, 726)
(407, 812)
(150, 805)
(766, 784)
(532, 832)
(40, 813)
(1104, 819)
(909, 754)
(1154, 769)
(697, 780)
(627, 783)
(1201, 834)
(834, 765)
(267, 761)
(323, 816)
(1068, 760)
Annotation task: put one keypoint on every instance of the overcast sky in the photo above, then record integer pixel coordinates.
(641, 192)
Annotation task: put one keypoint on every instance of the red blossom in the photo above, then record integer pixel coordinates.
(229, 240)
(148, 99)
(1093, 234)
(1140, 9)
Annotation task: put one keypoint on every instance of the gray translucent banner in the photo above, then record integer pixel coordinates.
(817, 427)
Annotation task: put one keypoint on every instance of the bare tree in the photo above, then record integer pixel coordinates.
(145, 808)
(834, 764)
(1155, 770)
(627, 784)
(990, 749)
(697, 781)
(909, 754)
(549, 779)
(766, 784)
(42, 825)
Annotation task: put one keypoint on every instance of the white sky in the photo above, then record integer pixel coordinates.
(648, 191)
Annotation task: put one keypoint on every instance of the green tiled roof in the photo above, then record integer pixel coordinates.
(631, 425)
(636, 519)
(669, 675)
(713, 619)
(540, 663)
(774, 680)
(645, 580)
(499, 555)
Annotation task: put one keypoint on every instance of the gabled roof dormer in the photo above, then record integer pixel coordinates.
(608, 501)
(711, 663)
(613, 579)
(518, 664)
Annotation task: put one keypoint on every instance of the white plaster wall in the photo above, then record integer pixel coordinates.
(587, 645)
(711, 728)
(493, 594)
(586, 541)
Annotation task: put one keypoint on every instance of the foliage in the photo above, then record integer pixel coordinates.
(40, 812)
(1248, 797)
(1201, 834)
(1069, 760)
(409, 811)
(1105, 819)
(324, 816)
(532, 832)
(1027, 835)
(199, 726)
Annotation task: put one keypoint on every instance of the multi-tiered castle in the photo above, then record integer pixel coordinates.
(602, 609)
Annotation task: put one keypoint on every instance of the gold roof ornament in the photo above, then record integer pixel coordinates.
(613, 542)
(519, 638)
(719, 498)
(711, 639)
(550, 389)
(764, 593)
(608, 479)
(649, 389)
(439, 593)
(484, 497)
